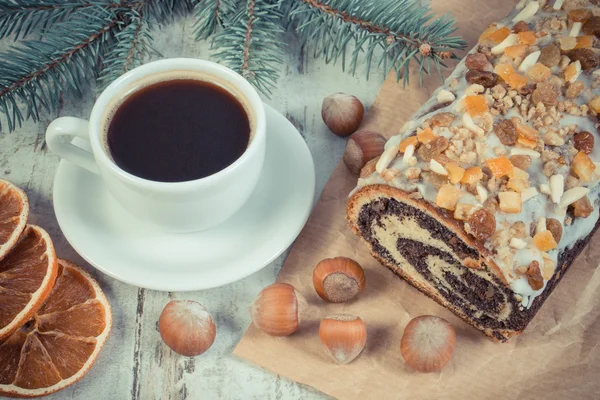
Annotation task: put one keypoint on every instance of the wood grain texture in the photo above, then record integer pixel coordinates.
(135, 363)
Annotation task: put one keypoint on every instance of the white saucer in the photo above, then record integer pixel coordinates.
(116, 243)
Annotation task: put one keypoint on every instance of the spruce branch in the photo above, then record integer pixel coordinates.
(250, 43)
(210, 15)
(400, 30)
(133, 46)
(33, 75)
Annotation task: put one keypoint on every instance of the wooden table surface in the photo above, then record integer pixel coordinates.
(135, 363)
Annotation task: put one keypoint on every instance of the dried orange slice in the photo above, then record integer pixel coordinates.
(14, 210)
(27, 275)
(59, 345)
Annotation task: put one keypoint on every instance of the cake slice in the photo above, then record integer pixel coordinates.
(490, 192)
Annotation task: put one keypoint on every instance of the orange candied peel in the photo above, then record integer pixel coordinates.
(583, 166)
(455, 172)
(486, 34)
(527, 37)
(510, 202)
(527, 135)
(504, 70)
(594, 104)
(425, 136)
(544, 241)
(472, 175)
(407, 142)
(572, 71)
(476, 105)
(499, 35)
(500, 166)
(515, 51)
(539, 72)
(584, 42)
(448, 196)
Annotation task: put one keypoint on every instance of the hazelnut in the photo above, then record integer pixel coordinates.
(187, 327)
(339, 279)
(362, 147)
(342, 113)
(428, 343)
(344, 337)
(277, 310)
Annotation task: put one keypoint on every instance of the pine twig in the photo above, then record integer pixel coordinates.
(33, 75)
(210, 15)
(251, 45)
(400, 31)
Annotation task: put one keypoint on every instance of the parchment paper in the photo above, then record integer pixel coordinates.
(558, 356)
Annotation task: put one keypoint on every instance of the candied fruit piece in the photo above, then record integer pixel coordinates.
(448, 196)
(482, 224)
(527, 37)
(549, 56)
(583, 166)
(515, 51)
(455, 172)
(524, 142)
(580, 15)
(527, 132)
(544, 241)
(412, 140)
(486, 34)
(539, 72)
(510, 202)
(477, 61)
(587, 58)
(504, 70)
(472, 175)
(506, 132)
(545, 93)
(499, 35)
(483, 78)
(594, 104)
(582, 208)
(500, 166)
(584, 42)
(567, 43)
(592, 26)
(476, 105)
(516, 80)
(583, 141)
(518, 173)
(425, 136)
(572, 72)
(518, 185)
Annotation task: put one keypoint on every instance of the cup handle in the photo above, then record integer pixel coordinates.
(58, 138)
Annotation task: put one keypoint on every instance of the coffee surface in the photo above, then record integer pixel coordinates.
(178, 130)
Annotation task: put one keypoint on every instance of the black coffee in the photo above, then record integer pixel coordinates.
(178, 130)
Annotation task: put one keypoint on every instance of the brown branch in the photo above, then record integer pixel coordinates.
(218, 3)
(68, 54)
(366, 25)
(245, 66)
(134, 43)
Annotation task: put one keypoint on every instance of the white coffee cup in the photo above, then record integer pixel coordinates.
(180, 206)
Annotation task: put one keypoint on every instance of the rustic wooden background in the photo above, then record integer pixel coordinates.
(135, 363)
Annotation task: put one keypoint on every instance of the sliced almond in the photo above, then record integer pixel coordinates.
(518, 243)
(445, 96)
(437, 168)
(470, 125)
(529, 61)
(408, 153)
(520, 151)
(557, 187)
(528, 12)
(386, 158)
(511, 40)
(544, 188)
(576, 29)
(528, 193)
(474, 89)
(572, 195)
(558, 4)
(482, 194)
(541, 225)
